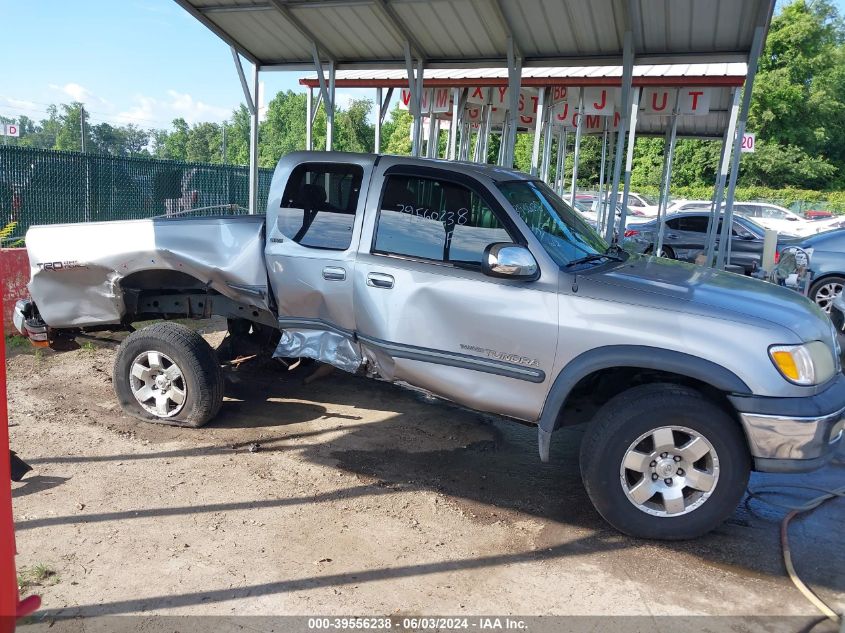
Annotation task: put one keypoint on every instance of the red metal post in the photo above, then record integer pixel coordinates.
(10, 607)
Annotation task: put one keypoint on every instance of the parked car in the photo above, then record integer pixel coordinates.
(479, 285)
(688, 205)
(591, 212)
(685, 237)
(642, 204)
(777, 218)
(827, 265)
(818, 214)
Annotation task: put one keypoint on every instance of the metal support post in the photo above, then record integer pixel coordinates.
(514, 82)
(600, 202)
(546, 162)
(721, 176)
(577, 151)
(457, 96)
(484, 130)
(627, 80)
(561, 161)
(253, 146)
(431, 147)
(629, 159)
(377, 141)
(538, 131)
(725, 242)
(309, 121)
(251, 98)
(667, 181)
(330, 110)
(415, 104)
(327, 92)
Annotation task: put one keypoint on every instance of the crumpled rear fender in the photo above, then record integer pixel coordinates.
(77, 270)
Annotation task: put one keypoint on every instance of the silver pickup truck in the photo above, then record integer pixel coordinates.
(481, 286)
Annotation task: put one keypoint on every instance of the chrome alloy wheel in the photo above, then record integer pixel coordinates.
(157, 384)
(826, 293)
(669, 471)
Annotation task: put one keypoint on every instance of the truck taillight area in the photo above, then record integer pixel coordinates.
(29, 324)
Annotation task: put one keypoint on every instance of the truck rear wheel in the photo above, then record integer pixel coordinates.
(169, 374)
(660, 461)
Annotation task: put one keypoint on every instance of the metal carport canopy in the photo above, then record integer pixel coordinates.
(281, 34)
(719, 78)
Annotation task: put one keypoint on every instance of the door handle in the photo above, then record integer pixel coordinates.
(380, 280)
(672, 236)
(334, 273)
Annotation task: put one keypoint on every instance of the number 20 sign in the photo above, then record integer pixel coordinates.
(749, 142)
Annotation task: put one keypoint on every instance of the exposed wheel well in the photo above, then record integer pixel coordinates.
(826, 276)
(595, 389)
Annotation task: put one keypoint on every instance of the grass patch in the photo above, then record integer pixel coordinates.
(17, 342)
(39, 575)
(89, 346)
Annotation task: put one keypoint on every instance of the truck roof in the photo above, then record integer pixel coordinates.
(493, 172)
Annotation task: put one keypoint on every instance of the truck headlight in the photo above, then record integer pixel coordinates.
(806, 364)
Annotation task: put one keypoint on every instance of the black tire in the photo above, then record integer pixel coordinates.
(635, 412)
(824, 282)
(200, 380)
(668, 253)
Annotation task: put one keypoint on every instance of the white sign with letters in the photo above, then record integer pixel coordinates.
(11, 129)
(695, 101)
(658, 100)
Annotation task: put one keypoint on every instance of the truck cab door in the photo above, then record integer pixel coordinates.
(427, 315)
(314, 220)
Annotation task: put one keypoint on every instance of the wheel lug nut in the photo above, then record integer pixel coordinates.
(664, 455)
(668, 481)
(654, 476)
(677, 458)
(680, 472)
(653, 463)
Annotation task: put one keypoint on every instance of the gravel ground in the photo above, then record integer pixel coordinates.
(348, 496)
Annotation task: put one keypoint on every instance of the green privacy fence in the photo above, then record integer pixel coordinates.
(52, 187)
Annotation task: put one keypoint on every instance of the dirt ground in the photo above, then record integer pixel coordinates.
(349, 496)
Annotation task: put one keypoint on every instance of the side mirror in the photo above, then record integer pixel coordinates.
(509, 261)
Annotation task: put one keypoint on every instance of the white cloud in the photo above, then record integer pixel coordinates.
(148, 110)
(13, 108)
(80, 93)
(343, 99)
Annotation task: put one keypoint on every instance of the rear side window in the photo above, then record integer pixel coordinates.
(694, 224)
(437, 220)
(319, 204)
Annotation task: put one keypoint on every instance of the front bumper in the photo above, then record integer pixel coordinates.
(794, 434)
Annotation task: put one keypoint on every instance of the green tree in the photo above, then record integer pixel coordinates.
(353, 131)
(396, 132)
(204, 144)
(799, 98)
(69, 131)
(174, 144)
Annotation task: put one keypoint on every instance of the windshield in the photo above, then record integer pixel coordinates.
(562, 232)
(752, 226)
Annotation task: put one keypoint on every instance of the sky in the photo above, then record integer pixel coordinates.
(130, 61)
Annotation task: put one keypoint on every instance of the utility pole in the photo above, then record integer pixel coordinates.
(82, 125)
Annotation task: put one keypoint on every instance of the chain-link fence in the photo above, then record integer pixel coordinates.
(51, 187)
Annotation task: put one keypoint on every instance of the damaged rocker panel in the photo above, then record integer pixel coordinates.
(412, 352)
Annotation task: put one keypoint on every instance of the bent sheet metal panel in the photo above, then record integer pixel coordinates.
(77, 269)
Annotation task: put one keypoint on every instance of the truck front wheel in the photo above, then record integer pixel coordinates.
(168, 373)
(660, 461)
